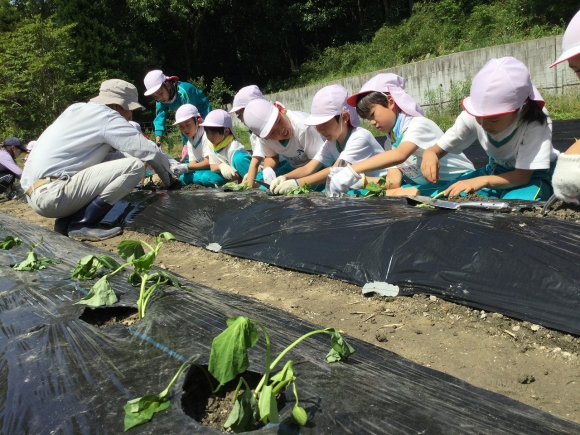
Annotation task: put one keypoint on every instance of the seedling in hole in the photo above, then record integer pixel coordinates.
(141, 409)
(235, 186)
(10, 242)
(377, 189)
(133, 253)
(33, 261)
(229, 358)
(301, 190)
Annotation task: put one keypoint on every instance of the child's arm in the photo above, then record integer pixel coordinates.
(386, 159)
(215, 167)
(430, 163)
(508, 180)
(159, 121)
(314, 179)
(253, 170)
(204, 164)
(309, 168)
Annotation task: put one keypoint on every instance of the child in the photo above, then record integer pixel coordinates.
(10, 149)
(198, 147)
(171, 94)
(384, 102)
(566, 179)
(345, 141)
(505, 113)
(285, 135)
(228, 159)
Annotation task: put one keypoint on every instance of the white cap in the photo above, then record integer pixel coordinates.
(30, 145)
(117, 91)
(244, 96)
(217, 118)
(394, 85)
(185, 112)
(502, 86)
(260, 116)
(329, 102)
(570, 41)
(153, 81)
(136, 125)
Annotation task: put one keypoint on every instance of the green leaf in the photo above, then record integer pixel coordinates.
(268, 406)
(33, 262)
(134, 279)
(165, 278)
(341, 350)
(144, 263)
(299, 415)
(108, 262)
(167, 236)
(10, 242)
(301, 190)
(241, 416)
(100, 294)
(130, 250)
(283, 377)
(229, 350)
(141, 409)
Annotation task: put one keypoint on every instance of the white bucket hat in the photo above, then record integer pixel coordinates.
(329, 102)
(117, 91)
(394, 85)
(218, 118)
(244, 96)
(502, 86)
(260, 116)
(153, 81)
(570, 41)
(185, 112)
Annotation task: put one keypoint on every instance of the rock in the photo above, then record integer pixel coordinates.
(526, 379)
(497, 316)
(432, 298)
(516, 328)
(535, 328)
(483, 315)
(557, 349)
(381, 336)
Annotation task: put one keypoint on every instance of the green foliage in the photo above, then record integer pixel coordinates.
(34, 261)
(218, 93)
(100, 294)
(233, 185)
(229, 358)
(377, 189)
(10, 242)
(564, 106)
(301, 190)
(444, 107)
(88, 267)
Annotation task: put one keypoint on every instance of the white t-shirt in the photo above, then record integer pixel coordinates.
(81, 137)
(530, 147)
(360, 145)
(225, 155)
(425, 133)
(198, 146)
(302, 146)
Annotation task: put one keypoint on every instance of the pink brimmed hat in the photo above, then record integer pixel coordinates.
(394, 85)
(260, 116)
(153, 81)
(244, 96)
(217, 118)
(502, 86)
(570, 41)
(185, 112)
(329, 102)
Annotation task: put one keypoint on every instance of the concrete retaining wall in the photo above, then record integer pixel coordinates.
(438, 73)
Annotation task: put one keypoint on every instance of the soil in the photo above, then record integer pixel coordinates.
(201, 404)
(102, 317)
(526, 362)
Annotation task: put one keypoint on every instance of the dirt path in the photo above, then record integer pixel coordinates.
(534, 365)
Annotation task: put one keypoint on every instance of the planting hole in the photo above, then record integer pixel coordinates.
(211, 409)
(105, 316)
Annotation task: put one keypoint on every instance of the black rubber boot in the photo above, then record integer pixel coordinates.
(61, 224)
(85, 223)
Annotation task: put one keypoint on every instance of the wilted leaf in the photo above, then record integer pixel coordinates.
(9, 242)
(268, 406)
(141, 410)
(144, 263)
(129, 250)
(241, 416)
(341, 350)
(100, 294)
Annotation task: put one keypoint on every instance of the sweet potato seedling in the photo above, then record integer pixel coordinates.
(377, 189)
(229, 358)
(10, 242)
(300, 190)
(233, 185)
(34, 261)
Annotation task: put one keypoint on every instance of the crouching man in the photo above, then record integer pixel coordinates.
(88, 159)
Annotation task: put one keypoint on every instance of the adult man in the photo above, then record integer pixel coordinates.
(10, 149)
(88, 159)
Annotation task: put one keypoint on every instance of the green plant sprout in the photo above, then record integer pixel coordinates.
(10, 242)
(233, 185)
(33, 261)
(140, 410)
(135, 256)
(229, 358)
(377, 189)
(300, 190)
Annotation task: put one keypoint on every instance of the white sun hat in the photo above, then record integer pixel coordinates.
(329, 102)
(153, 81)
(217, 118)
(185, 112)
(260, 116)
(244, 96)
(394, 85)
(570, 41)
(502, 86)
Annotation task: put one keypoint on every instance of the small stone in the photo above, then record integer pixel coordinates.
(535, 328)
(526, 379)
(557, 349)
(418, 332)
(566, 354)
(381, 336)
(432, 298)
(546, 373)
(516, 328)
(497, 316)
(483, 315)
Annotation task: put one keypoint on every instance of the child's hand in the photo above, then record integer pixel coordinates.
(430, 166)
(467, 186)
